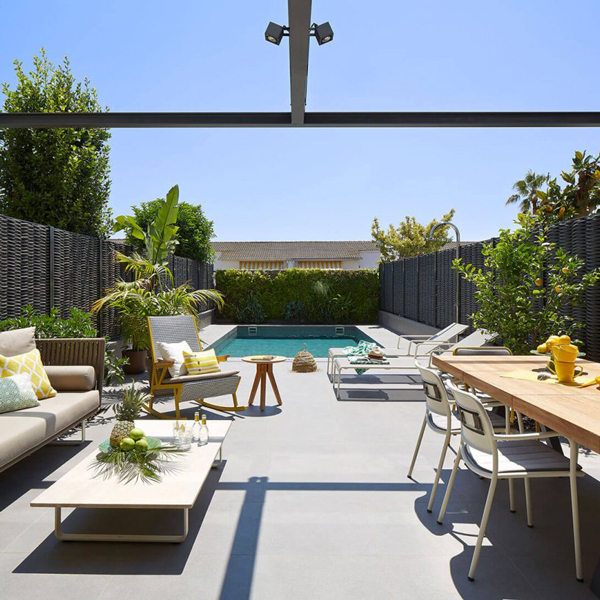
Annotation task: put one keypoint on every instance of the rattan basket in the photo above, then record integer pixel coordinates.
(304, 362)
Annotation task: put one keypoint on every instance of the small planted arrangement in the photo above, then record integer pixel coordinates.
(129, 454)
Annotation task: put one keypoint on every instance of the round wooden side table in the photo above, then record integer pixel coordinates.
(264, 369)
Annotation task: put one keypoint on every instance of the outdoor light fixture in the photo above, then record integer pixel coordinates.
(323, 32)
(274, 33)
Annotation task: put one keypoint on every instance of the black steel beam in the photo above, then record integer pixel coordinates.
(311, 119)
(299, 12)
(144, 119)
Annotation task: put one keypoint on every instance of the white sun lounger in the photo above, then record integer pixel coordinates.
(407, 363)
(414, 341)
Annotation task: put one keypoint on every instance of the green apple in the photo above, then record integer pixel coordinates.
(136, 434)
(142, 444)
(127, 444)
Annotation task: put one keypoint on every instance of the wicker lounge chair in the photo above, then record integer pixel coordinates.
(186, 387)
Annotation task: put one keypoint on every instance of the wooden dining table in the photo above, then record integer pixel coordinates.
(573, 412)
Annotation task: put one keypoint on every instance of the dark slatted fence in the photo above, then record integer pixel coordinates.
(48, 267)
(423, 288)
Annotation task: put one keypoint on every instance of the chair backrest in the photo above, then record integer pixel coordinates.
(449, 332)
(172, 330)
(436, 396)
(476, 428)
(482, 351)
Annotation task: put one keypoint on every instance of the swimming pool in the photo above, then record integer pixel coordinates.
(284, 340)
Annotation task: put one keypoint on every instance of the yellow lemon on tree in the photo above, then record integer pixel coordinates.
(542, 348)
(561, 212)
(558, 289)
(565, 270)
(539, 281)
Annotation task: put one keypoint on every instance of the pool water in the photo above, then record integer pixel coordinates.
(318, 347)
(289, 340)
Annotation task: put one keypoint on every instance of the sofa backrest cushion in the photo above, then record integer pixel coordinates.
(71, 378)
(17, 341)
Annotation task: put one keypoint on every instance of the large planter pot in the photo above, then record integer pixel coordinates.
(137, 361)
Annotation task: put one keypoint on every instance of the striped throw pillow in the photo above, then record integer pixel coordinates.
(199, 363)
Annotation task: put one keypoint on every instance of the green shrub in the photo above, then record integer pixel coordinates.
(301, 295)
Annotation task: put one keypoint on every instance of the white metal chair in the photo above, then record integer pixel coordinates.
(441, 419)
(495, 456)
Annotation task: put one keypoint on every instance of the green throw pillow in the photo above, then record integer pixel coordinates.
(16, 393)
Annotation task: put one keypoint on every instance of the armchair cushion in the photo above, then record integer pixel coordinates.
(191, 378)
(71, 378)
(17, 341)
(174, 352)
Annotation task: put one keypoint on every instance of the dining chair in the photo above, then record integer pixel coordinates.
(496, 456)
(440, 418)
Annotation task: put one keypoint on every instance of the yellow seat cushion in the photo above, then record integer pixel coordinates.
(199, 363)
(30, 364)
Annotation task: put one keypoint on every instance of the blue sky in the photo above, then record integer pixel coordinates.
(387, 55)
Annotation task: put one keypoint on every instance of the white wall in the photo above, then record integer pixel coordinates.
(369, 259)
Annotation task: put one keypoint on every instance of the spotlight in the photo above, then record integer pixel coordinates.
(274, 33)
(323, 32)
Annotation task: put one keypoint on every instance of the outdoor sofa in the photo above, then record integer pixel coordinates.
(75, 368)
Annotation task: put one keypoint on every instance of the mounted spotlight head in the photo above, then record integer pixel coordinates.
(274, 33)
(323, 32)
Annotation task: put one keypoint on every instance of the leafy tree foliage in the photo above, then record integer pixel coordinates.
(409, 238)
(526, 191)
(578, 198)
(194, 230)
(525, 282)
(55, 177)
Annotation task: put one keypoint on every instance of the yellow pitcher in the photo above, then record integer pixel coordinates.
(565, 352)
(564, 371)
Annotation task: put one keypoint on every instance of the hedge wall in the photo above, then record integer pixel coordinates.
(300, 296)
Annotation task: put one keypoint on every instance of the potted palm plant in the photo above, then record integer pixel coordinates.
(152, 291)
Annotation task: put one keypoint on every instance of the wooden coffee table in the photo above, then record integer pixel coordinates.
(264, 369)
(179, 488)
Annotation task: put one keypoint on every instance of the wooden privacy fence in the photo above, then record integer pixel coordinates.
(51, 268)
(422, 288)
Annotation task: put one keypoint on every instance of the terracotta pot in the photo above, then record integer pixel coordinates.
(137, 361)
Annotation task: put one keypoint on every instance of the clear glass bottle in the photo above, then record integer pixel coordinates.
(196, 427)
(203, 433)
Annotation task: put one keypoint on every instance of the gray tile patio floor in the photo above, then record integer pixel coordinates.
(312, 502)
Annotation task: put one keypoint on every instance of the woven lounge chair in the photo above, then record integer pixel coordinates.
(187, 387)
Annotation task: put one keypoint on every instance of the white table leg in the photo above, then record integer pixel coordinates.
(575, 508)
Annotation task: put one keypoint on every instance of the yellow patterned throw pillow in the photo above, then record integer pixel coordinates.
(200, 363)
(30, 364)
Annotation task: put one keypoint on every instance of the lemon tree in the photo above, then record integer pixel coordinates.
(525, 282)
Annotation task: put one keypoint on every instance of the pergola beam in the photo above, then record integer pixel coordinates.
(299, 15)
(311, 119)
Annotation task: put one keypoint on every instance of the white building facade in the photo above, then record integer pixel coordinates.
(278, 256)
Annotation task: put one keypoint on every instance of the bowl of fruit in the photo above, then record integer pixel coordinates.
(545, 349)
(129, 454)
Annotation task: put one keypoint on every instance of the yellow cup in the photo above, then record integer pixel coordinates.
(565, 352)
(564, 371)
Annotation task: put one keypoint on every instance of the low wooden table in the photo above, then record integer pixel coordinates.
(571, 411)
(179, 488)
(264, 369)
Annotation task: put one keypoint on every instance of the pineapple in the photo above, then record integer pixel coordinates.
(127, 412)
